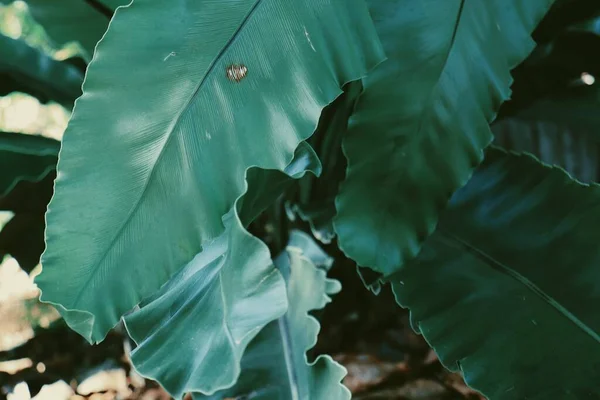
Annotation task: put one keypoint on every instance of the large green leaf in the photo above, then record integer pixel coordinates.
(29, 70)
(27, 163)
(576, 151)
(576, 108)
(193, 332)
(506, 289)
(561, 129)
(71, 20)
(275, 366)
(23, 236)
(25, 157)
(422, 122)
(185, 312)
(314, 201)
(234, 289)
(113, 4)
(160, 142)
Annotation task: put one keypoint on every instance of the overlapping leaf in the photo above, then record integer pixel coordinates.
(422, 122)
(28, 70)
(25, 157)
(160, 142)
(27, 166)
(211, 309)
(512, 277)
(23, 236)
(193, 332)
(275, 365)
(576, 151)
(315, 198)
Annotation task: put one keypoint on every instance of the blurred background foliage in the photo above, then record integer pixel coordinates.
(20, 112)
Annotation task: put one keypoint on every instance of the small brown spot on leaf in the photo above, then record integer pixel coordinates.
(236, 72)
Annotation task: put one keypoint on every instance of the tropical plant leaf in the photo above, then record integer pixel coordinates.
(113, 4)
(315, 198)
(233, 286)
(560, 130)
(275, 364)
(24, 161)
(576, 151)
(511, 276)
(29, 70)
(155, 155)
(71, 20)
(23, 235)
(449, 79)
(193, 332)
(25, 157)
(576, 108)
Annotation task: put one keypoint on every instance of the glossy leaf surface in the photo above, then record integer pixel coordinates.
(421, 125)
(512, 276)
(25, 157)
(23, 236)
(235, 291)
(157, 153)
(275, 365)
(193, 332)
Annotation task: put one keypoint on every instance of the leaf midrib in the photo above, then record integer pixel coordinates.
(501, 267)
(170, 135)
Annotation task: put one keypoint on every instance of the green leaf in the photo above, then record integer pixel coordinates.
(23, 236)
(421, 125)
(576, 108)
(159, 144)
(275, 365)
(113, 4)
(509, 281)
(576, 151)
(27, 163)
(560, 130)
(29, 70)
(235, 291)
(70, 21)
(193, 332)
(315, 198)
(25, 157)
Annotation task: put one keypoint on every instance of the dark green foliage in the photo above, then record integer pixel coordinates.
(175, 181)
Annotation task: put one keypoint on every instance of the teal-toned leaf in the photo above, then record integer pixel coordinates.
(561, 129)
(232, 284)
(159, 144)
(576, 108)
(576, 151)
(315, 198)
(509, 281)
(27, 164)
(25, 157)
(275, 366)
(266, 185)
(29, 70)
(70, 21)
(191, 335)
(113, 4)
(23, 236)
(421, 124)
